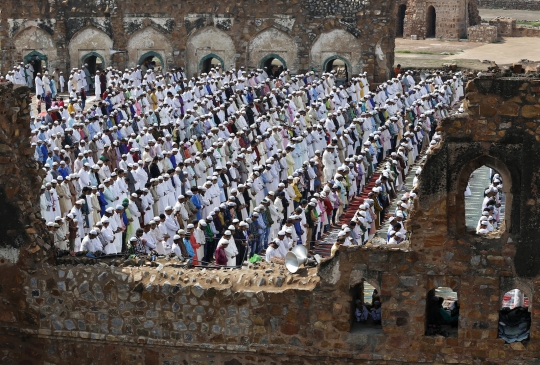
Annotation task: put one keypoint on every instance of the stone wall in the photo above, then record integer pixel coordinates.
(483, 33)
(183, 33)
(510, 4)
(505, 26)
(452, 18)
(169, 315)
(524, 31)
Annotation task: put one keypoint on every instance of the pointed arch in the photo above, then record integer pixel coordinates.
(209, 56)
(273, 55)
(89, 40)
(337, 43)
(466, 171)
(34, 55)
(275, 43)
(209, 41)
(34, 42)
(150, 54)
(150, 42)
(90, 54)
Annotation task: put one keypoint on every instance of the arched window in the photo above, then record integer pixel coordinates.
(442, 312)
(401, 20)
(341, 67)
(431, 26)
(151, 60)
(366, 311)
(274, 65)
(210, 61)
(480, 174)
(515, 317)
(484, 201)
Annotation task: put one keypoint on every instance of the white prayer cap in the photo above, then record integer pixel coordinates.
(342, 234)
(93, 232)
(227, 233)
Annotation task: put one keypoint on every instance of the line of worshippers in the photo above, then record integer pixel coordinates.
(490, 219)
(370, 214)
(221, 147)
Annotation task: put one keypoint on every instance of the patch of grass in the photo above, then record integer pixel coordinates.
(407, 51)
(529, 24)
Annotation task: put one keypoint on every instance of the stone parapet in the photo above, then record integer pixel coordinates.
(482, 33)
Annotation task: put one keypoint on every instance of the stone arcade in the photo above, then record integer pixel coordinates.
(55, 314)
(300, 35)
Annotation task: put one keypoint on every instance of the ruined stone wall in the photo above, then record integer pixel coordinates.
(185, 33)
(510, 4)
(505, 26)
(452, 18)
(166, 315)
(483, 33)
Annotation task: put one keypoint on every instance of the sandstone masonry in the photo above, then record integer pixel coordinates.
(303, 34)
(142, 315)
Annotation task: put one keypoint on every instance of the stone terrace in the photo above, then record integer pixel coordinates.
(55, 314)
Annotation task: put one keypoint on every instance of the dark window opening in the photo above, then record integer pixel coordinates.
(341, 71)
(442, 312)
(209, 64)
(151, 63)
(401, 20)
(515, 317)
(94, 64)
(39, 66)
(431, 23)
(366, 311)
(273, 67)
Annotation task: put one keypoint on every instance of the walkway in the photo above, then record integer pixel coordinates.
(324, 246)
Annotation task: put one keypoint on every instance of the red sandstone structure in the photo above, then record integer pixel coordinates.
(91, 314)
(300, 35)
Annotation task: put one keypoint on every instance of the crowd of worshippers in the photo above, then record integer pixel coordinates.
(220, 166)
(490, 220)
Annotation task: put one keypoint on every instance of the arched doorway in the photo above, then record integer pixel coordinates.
(151, 60)
(38, 62)
(210, 61)
(340, 66)
(431, 23)
(94, 61)
(401, 20)
(273, 65)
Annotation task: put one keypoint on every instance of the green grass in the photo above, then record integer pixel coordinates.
(407, 51)
(530, 24)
